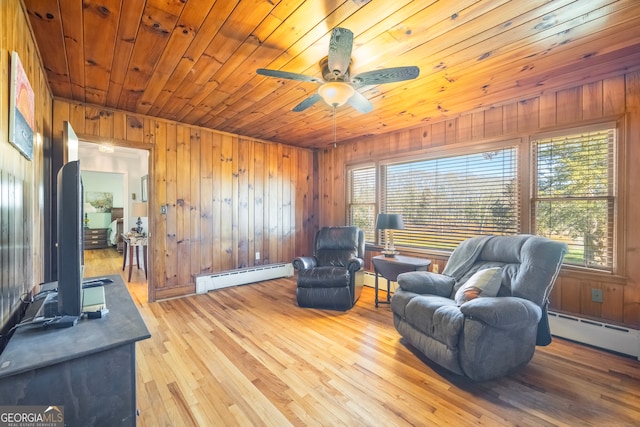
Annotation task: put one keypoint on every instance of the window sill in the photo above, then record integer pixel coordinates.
(587, 274)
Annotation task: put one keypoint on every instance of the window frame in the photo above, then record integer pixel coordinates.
(524, 144)
(450, 153)
(618, 173)
(349, 199)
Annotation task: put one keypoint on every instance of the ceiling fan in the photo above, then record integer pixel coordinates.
(337, 86)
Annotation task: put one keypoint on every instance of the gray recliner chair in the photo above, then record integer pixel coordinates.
(456, 322)
(333, 277)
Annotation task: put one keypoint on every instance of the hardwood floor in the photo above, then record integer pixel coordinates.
(248, 356)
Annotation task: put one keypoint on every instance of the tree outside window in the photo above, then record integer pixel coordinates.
(574, 195)
(362, 200)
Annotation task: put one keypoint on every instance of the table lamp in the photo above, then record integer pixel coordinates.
(389, 222)
(139, 210)
(88, 208)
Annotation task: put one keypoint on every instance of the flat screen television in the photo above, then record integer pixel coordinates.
(70, 239)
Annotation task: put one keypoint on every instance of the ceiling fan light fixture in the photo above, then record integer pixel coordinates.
(336, 93)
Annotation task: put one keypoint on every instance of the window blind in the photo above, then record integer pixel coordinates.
(362, 200)
(446, 200)
(574, 194)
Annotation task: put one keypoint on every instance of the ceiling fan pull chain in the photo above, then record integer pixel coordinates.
(334, 127)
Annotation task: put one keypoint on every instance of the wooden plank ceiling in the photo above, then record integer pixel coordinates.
(194, 61)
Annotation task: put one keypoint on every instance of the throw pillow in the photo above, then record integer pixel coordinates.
(484, 283)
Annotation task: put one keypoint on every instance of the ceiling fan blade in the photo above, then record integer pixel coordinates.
(307, 103)
(386, 75)
(360, 103)
(288, 75)
(340, 47)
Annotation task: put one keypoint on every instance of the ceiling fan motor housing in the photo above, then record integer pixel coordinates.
(334, 75)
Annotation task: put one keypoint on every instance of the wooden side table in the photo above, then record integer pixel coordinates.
(131, 243)
(390, 267)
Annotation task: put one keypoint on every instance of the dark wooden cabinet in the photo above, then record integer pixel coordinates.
(89, 369)
(96, 238)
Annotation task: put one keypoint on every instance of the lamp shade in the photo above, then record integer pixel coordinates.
(336, 93)
(389, 222)
(139, 209)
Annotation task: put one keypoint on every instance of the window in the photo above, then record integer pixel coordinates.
(362, 200)
(447, 200)
(573, 198)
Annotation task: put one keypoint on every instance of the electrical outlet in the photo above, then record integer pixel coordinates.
(257, 256)
(596, 295)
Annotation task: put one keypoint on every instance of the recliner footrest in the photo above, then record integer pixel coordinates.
(323, 277)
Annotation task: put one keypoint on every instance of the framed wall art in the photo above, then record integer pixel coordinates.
(21, 109)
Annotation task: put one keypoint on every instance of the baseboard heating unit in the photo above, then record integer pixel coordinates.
(610, 337)
(242, 276)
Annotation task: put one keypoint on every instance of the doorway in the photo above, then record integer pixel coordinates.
(114, 179)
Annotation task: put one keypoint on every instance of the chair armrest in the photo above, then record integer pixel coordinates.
(355, 264)
(304, 262)
(425, 282)
(503, 312)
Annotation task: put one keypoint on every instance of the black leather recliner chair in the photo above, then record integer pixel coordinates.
(333, 277)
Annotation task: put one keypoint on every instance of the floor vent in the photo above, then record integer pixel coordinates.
(610, 337)
(242, 276)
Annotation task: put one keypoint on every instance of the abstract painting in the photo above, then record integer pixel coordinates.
(21, 109)
(102, 202)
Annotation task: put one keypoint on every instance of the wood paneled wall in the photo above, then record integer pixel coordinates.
(21, 181)
(226, 197)
(611, 98)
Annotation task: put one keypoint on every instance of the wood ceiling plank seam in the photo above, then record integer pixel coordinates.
(595, 72)
(441, 21)
(290, 124)
(251, 76)
(453, 43)
(388, 21)
(484, 61)
(586, 45)
(150, 42)
(195, 114)
(471, 18)
(239, 92)
(187, 27)
(470, 57)
(517, 91)
(46, 22)
(444, 16)
(237, 28)
(439, 14)
(212, 24)
(128, 27)
(504, 43)
(100, 22)
(497, 79)
(221, 76)
(193, 83)
(242, 57)
(283, 101)
(287, 33)
(312, 39)
(72, 31)
(381, 94)
(305, 52)
(152, 38)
